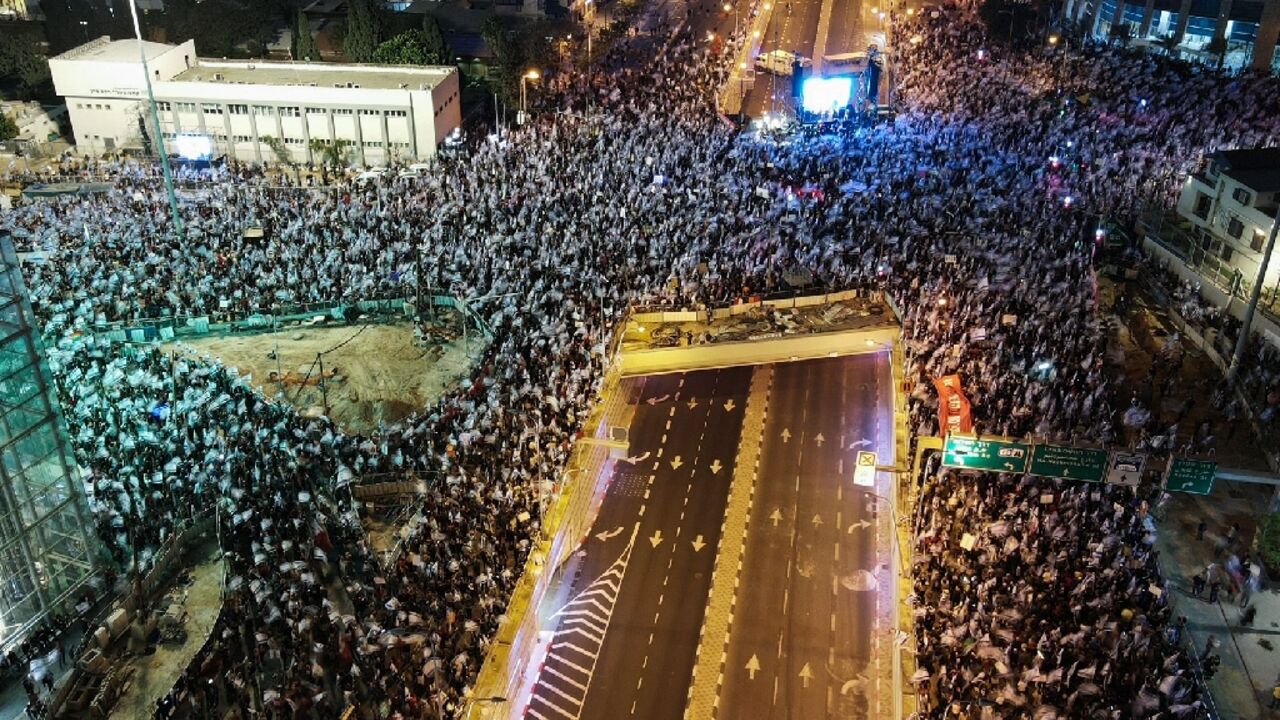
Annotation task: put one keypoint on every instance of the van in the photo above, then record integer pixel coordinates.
(780, 62)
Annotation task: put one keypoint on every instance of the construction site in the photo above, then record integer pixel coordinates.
(363, 376)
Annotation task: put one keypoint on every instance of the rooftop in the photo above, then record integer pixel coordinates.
(104, 49)
(1256, 168)
(368, 76)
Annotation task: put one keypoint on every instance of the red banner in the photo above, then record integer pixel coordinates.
(954, 411)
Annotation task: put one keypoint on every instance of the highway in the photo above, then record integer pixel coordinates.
(794, 26)
(801, 641)
(625, 642)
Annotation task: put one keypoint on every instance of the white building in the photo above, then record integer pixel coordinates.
(102, 84)
(1231, 207)
(381, 112)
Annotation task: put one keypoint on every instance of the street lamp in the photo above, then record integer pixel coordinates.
(734, 8)
(524, 96)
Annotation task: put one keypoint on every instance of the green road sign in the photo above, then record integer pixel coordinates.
(965, 452)
(1071, 463)
(1190, 476)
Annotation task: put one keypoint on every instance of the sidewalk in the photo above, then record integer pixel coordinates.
(1242, 686)
(1250, 660)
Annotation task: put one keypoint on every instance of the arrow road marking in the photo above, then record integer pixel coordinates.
(860, 524)
(729, 405)
(820, 439)
(637, 459)
(776, 516)
(603, 536)
(693, 403)
(817, 520)
(786, 435)
(716, 467)
(753, 666)
(676, 462)
(860, 443)
(806, 674)
(656, 540)
(698, 544)
(656, 400)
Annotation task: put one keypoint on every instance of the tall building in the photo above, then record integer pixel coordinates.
(46, 546)
(1246, 31)
(255, 111)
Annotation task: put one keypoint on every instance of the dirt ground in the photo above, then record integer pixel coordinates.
(381, 376)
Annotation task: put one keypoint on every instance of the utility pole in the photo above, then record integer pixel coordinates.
(155, 118)
(1254, 294)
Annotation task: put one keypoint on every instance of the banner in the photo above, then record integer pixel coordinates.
(954, 412)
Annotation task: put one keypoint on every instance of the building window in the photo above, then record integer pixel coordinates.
(244, 139)
(263, 110)
(290, 111)
(1259, 238)
(315, 111)
(238, 109)
(1203, 204)
(293, 141)
(396, 113)
(342, 111)
(187, 107)
(211, 109)
(1242, 196)
(163, 106)
(367, 111)
(1235, 228)
(1226, 253)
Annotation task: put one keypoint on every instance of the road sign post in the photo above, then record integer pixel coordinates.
(864, 472)
(970, 453)
(1071, 463)
(1190, 476)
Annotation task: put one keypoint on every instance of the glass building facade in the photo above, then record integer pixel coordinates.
(46, 553)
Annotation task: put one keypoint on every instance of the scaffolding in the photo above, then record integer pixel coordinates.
(45, 547)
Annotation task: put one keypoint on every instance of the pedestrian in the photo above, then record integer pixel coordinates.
(1246, 617)
(1200, 529)
(1214, 588)
(1210, 644)
(1275, 697)
(1197, 585)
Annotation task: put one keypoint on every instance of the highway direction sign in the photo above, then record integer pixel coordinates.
(1068, 462)
(961, 451)
(1125, 468)
(1190, 476)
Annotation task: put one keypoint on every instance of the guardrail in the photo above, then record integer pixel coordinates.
(178, 327)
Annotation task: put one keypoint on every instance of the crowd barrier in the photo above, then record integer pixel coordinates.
(659, 314)
(180, 327)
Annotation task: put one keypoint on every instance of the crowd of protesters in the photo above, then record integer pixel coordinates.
(974, 209)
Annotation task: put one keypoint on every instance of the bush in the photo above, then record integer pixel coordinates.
(1267, 543)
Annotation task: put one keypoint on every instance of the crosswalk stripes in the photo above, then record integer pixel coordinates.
(584, 621)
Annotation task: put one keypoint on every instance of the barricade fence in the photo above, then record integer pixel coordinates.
(179, 327)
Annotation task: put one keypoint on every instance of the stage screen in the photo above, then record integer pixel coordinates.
(824, 95)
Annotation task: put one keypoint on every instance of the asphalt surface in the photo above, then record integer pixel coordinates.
(625, 643)
(794, 27)
(801, 645)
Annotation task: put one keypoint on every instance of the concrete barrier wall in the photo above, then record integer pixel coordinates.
(799, 347)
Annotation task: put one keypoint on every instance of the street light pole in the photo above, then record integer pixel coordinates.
(155, 117)
(1254, 294)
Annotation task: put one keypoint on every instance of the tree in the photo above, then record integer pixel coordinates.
(434, 41)
(334, 154)
(1218, 47)
(21, 61)
(282, 153)
(8, 128)
(407, 48)
(364, 31)
(304, 44)
(508, 55)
